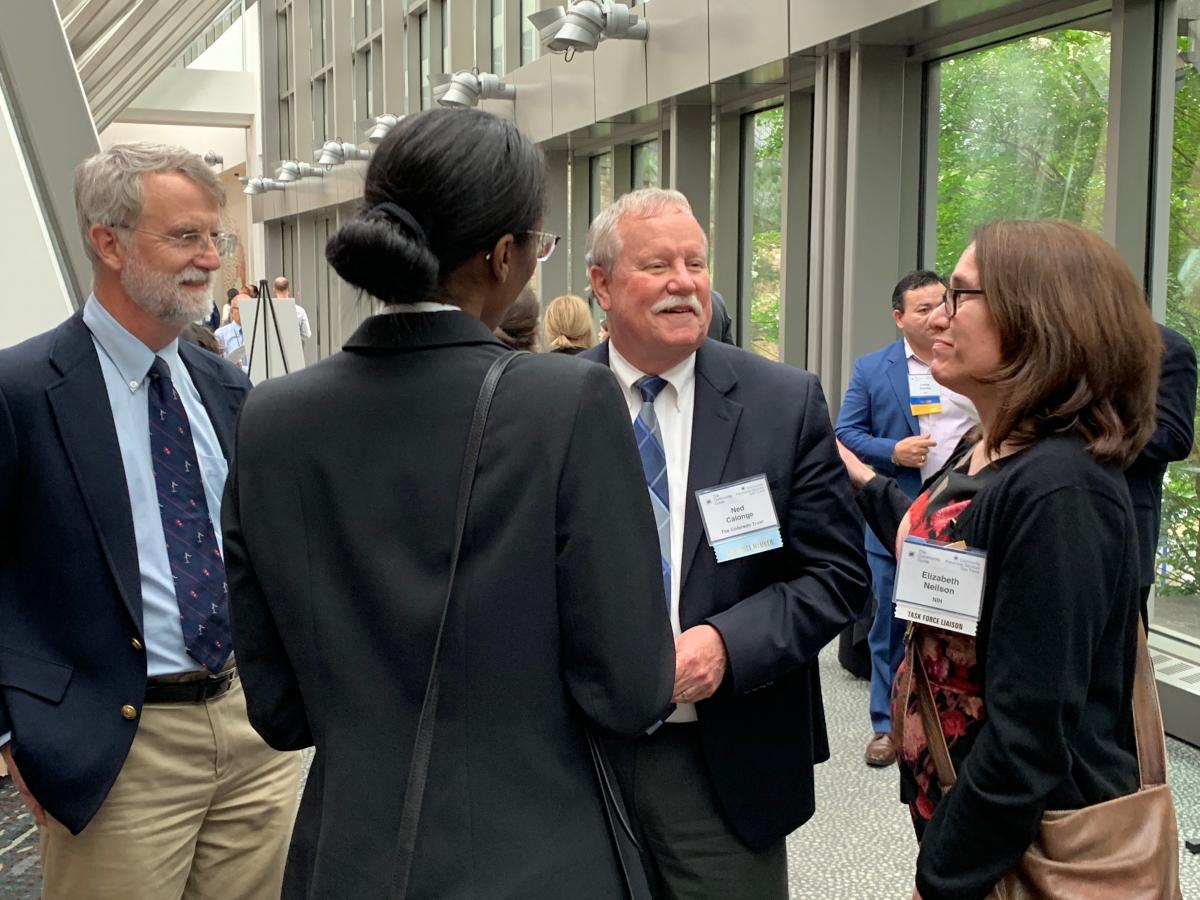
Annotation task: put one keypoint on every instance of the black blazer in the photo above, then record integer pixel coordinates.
(1172, 440)
(764, 729)
(338, 522)
(70, 587)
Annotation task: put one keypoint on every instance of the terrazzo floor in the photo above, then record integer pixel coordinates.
(858, 846)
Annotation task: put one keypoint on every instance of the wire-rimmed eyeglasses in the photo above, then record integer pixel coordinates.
(194, 242)
(953, 297)
(545, 244)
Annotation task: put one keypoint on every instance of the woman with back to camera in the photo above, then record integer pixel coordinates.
(568, 325)
(1046, 330)
(339, 519)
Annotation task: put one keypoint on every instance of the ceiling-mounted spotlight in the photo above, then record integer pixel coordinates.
(468, 88)
(379, 127)
(334, 153)
(213, 158)
(584, 25)
(290, 170)
(260, 185)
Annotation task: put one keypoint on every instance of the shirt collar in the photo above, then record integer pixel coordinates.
(678, 376)
(908, 354)
(131, 357)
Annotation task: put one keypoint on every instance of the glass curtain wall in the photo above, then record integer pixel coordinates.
(423, 41)
(1022, 131)
(601, 190)
(445, 36)
(498, 37)
(529, 35)
(645, 165)
(1177, 581)
(761, 227)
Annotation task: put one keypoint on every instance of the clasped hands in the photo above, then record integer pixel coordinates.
(700, 664)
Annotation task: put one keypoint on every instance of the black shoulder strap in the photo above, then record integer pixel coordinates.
(418, 767)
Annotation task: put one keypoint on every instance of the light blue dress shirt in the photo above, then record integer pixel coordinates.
(230, 337)
(125, 362)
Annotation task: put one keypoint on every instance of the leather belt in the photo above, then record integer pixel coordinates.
(167, 690)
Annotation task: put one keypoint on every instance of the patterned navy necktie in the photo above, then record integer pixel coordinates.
(654, 467)
(196, 564)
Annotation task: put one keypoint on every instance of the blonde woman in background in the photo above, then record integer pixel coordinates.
(568, 325)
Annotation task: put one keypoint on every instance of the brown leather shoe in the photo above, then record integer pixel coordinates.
(880, 751)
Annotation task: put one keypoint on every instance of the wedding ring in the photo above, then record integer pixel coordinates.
(683, 695)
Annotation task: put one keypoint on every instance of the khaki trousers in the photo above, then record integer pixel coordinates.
(201, 809)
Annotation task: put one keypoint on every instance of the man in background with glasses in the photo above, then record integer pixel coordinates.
(121, 714)
(897, 419)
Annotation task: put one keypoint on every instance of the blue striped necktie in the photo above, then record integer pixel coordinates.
(654, 467)
(196, 564)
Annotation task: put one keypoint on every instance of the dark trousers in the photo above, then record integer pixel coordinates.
(688, 848)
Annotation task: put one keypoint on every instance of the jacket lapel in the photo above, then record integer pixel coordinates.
(898, 375)
(714, 423)
(81, 409)
(221, 392)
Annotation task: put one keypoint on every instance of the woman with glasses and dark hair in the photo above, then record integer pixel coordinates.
(1047, 331)
(339, 525)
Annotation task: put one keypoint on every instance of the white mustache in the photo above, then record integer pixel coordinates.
(193, 273)
(677, 302)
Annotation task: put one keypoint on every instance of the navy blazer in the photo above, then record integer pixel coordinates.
(875, 415)
(1172, 440)
(764, 728)
(71, 654)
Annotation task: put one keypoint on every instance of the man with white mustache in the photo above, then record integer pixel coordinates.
(122, 718)
(715, 791)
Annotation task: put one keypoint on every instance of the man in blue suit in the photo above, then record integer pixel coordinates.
(122, 718)
(896, 419)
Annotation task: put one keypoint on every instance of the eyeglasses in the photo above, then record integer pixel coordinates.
(194, 242)
(546, 242)
(953, 297)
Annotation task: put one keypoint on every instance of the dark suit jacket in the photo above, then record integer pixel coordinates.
(764, 729)
(1172, 440)
(339, 517)
(720, 327)
(70, 587)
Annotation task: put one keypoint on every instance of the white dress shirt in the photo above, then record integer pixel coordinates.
(947, 427)
(673, 407)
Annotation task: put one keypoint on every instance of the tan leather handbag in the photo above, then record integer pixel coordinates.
(1122, 849)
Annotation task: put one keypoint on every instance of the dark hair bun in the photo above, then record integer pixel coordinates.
(383, 258)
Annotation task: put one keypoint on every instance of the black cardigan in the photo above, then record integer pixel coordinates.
(1056, 643)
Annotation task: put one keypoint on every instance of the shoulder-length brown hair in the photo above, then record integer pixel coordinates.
(1080, 349)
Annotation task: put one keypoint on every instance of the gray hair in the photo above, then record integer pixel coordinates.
(603, 241)
(108, 186)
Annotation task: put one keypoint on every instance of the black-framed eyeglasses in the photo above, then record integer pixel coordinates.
(953, 297)
(545, 242)
(194, 242)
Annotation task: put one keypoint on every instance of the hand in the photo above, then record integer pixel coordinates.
(913, 451)
(700, 663)
(860, 473)
(39, 814)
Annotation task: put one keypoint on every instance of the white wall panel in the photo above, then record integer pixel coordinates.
(814, 23)
(574, 93)
(677, 49)
(620, 68)
(746, 34)
(535, 113)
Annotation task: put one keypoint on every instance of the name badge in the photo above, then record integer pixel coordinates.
(940, 584)
(739, 518)
(924, 394)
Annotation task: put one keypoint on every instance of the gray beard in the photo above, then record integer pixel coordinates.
(163, 296)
